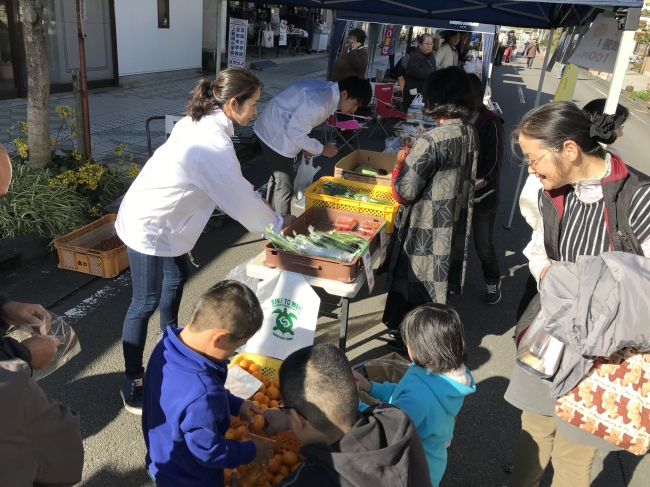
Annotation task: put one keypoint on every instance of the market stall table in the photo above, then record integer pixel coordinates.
(258, 270)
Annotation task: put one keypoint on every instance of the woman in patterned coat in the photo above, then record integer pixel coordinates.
(435, 185)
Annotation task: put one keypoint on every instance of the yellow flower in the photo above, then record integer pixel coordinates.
(22, 147)
(23, 127)
(76, 155)
(131, 157)
(119, 149)
(134, 170)
(52, 142)
(64, 111)
(11, 129)
(73, 134)
(95, 211)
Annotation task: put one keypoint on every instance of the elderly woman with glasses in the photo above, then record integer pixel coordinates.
(420, 65)
(590, 204)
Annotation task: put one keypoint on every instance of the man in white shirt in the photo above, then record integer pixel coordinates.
(503, 41)
(285, 124)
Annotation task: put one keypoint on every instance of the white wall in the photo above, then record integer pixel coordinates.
(210, 25)
(144, 48)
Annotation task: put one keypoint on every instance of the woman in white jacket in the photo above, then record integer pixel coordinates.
(447, 55)
(168, 205)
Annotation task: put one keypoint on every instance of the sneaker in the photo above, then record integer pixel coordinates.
(492, 291)
(132, 395)
(159, 336)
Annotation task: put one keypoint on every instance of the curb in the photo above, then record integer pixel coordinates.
(16, 253)
(636, 101)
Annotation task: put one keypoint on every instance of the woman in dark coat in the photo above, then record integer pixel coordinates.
(421, 64)
(427, 254)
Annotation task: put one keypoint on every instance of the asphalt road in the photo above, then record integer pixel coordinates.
(487, 427)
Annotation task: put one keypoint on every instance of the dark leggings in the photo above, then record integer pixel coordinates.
(530, 291)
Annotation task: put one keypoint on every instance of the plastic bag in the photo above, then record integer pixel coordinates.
(537, 351)
(240, 383)
(392, 145)
(68, 347)
(304, 177)
(239, 274)
(417, 102)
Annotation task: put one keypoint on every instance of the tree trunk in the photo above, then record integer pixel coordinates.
(38, 85)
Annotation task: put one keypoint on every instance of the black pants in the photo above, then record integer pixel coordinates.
(280, 188)
(483, 229)
(529, 293)
(499, 57)
(529, 62)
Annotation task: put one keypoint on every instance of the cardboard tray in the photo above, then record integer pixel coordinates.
(345, 167)
(322, 219)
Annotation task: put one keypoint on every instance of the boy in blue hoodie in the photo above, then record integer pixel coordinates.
(186, 409)
(434, 387)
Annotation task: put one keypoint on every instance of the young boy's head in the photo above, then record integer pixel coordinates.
(319, 393)
(355, 92)
(434, 336)
(224, 319)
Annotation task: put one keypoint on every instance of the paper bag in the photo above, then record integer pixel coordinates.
(290, 308)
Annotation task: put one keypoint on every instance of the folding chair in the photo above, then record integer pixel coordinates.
(335, 126)
(384, 105)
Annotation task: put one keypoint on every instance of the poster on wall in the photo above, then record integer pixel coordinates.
(389, 38)
(599, 46)
(237, 43)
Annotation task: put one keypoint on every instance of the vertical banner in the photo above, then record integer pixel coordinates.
(389, 39)
(598, 48)
(237, 43)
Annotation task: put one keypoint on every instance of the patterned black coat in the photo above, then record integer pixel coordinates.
(428, 251)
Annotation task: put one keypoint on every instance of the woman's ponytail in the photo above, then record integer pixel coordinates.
(202, 100)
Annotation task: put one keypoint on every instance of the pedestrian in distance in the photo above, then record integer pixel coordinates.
(447, 55)
(420, 65)
(502, 45)
(491, 136)
(436, 383)
(168, 205)
(288, 119)
(530, 52)
(353, 60)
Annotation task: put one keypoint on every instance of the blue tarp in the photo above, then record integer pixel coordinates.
(514, 13)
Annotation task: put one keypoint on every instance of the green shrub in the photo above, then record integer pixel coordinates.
(643, 95)
(33, 205)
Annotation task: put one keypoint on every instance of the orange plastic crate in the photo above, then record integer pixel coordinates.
(314, 197)
(76, 251)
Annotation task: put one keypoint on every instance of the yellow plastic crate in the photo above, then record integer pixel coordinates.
(314, 197)
(268, 366)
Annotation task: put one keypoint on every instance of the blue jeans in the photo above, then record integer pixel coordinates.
(157, 281)
(561, 71)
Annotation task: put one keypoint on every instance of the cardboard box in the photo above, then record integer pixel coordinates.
(389, 368)
(345, 167)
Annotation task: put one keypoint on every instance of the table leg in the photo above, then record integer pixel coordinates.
(343, 333)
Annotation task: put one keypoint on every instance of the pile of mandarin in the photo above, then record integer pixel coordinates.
(283, 463)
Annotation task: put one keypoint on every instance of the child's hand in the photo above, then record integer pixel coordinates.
(245, 410)
(264, 451)
(363, 383)
(277, 421)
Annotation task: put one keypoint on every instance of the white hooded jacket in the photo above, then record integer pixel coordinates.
(290, 116)
(166, 208)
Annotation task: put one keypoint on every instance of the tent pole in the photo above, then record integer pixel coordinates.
(524, 167)
(618, 76)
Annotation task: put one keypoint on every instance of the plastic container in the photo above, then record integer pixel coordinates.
(268, 366)
(315, 198)
(368, 227)
(77, 249)
(345, 224)
(538, 352)
(321, 219)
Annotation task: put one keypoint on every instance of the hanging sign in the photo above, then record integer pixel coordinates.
(599, 46)
(237, 43)
(389, 38)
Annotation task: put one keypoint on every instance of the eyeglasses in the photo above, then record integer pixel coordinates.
(532, 164)
(286, 409)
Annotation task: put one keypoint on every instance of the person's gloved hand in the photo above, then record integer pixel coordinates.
(16, 314)
(276, 421)
(42, 349)
(245, 410)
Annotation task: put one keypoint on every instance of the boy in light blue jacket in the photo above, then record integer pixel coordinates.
(434, 387)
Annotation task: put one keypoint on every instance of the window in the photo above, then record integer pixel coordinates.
(163, 14)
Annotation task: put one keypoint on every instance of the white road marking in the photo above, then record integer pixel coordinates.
(601, 92)
(88, 304)
(640, 119)
(522, 98)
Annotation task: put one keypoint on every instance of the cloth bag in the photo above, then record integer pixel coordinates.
(304, 177)
(613, 401)
(267, 38)
(290, 308)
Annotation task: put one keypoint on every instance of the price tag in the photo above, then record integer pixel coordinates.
(367, 264)
(383, 244)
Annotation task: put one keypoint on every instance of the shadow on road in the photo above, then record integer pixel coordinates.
(109, 478)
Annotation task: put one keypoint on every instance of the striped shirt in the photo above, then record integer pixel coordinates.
(583, 230)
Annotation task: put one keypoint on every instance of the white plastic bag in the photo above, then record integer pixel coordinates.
(68, 343)
(417, 102)
(304, 177)
(267, 38)
(392, 145)
(239, 274)
(290, 308)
